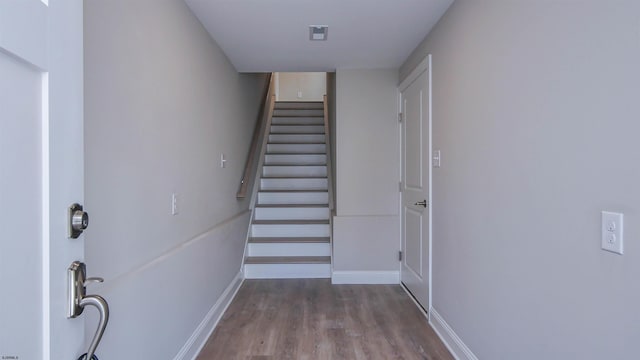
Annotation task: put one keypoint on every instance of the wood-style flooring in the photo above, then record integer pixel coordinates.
(312, 319)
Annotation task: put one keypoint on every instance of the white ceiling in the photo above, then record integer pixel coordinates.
(273, 35)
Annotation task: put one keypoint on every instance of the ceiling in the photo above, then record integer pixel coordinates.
(273, 35)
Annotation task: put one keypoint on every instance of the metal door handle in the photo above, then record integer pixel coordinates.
(78, 300)
(103, 309)
(421, 203)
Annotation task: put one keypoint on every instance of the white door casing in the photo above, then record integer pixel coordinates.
(415, 105)
(41, 174)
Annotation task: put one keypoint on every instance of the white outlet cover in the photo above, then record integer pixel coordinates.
(612, 232)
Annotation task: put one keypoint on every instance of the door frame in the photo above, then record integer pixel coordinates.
(424, 65)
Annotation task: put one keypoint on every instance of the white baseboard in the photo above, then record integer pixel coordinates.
(199, 338)
(365, 277)
(453, 342)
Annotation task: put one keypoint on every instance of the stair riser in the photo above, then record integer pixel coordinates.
(295, 159)
(297, 148)
(292, 249)
(294, 171)
(288, 138)
(292, 213)
(298, 112)
(297, 129)
(298, 105)
(293, 198)
(294, 184)
(313, 230)
(292, 120)
(287, 271)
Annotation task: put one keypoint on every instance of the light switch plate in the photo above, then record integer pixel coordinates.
(436, 158)
(612, 232)
(223, 161)
(174, 204)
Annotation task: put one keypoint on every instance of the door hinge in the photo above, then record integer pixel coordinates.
(399, 255)
(399, 117)
(400, 186)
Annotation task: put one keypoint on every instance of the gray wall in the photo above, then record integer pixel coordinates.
(311, 85)
(366, 233)
(536, 108)
(162, 103)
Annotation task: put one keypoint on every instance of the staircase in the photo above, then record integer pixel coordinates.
(290, 230)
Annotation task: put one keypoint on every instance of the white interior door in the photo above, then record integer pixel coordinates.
(41, 174)
(416, 185)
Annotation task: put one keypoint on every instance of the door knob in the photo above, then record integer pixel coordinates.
(78, 221)
(421, 203)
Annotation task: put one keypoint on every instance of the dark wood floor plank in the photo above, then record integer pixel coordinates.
(310, 319)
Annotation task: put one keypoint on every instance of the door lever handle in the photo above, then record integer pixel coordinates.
(421, 203)
(93, 280)
(103, 309)
(78, 300)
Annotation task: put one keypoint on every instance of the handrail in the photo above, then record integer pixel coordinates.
(264, 115)
(327, 136)
(263, 149)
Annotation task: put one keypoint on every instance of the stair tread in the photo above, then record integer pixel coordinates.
(288, 260)
(290, 222)
(292, 191)
(294, 177)
(293, 125)
(297, 143)
(297, 153)
(290, 164)
(298, 115)
(296, 165)
(289, 206)
(276, 240)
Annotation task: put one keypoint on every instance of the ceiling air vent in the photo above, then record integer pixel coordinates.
(318, 32)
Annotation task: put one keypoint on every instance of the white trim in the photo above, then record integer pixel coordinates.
(424, 65)
(365, 277)
(451, 340)
(199, 338)
(430, 165)
(46, 217)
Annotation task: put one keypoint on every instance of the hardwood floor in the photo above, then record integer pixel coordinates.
(312, 319)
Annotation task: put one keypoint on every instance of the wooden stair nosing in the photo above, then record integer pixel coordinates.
(287, 260)
(297, 153)
(289, 206)
(297, 115)
(266, 165)
(297, 143)
(292, 191)
(278, 240)
(290, 222)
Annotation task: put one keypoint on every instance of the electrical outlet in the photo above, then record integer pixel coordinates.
(174, 204)
(612, 232)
